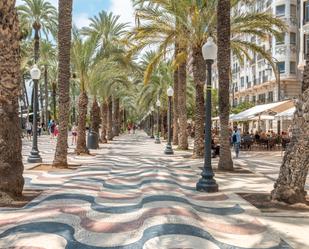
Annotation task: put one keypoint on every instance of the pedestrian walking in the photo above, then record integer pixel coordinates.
(29, 130)
(236, 139)
(74, 134)
(39, 130)
(56, 131)
(52, 126)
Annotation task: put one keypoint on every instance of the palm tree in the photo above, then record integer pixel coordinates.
(42, 17)
(48, 56)
(95, 116)
(11, 165)
(290, 185)
(224, 69)
(83, 59)
(64, 75)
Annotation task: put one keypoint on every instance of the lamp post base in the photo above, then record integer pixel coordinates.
(34, 157)
(157, 141)
(207, 185)
(168, 150)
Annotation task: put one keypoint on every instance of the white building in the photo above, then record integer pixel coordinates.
(255, 81)
(303, 32)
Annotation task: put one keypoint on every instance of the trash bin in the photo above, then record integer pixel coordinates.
(93, 140)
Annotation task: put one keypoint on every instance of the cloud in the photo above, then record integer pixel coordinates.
(81, 20)
(124, 9)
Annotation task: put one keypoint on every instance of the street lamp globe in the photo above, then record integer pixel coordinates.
(170, 91)
(35, 72)
(158, 103)
(210, 49)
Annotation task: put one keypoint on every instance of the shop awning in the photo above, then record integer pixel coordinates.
(288, 114)
(218, 118)
(266, 109)
(263, 117)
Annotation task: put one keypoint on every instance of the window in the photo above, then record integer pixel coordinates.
(293, 10)
(307, 44)
(262, 98)
(253, 99)
(292, 67)
(242, 81)
(281, 66)
(306, 7)
(293, 38)
(270, 96)
(280, 39)
(280, 10)
(247, 98)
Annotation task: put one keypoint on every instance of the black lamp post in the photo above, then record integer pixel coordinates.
(168, 149)
(207, 183)
(158, 104)
(34, 156)
(151, 122)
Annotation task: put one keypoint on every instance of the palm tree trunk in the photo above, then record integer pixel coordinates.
(11, 165)
(42, 116)
(104, 110)
(95, 116)
(54, 93)
(116, 116)
(224, 69)
(163, 124)
(25, 97)
(64, 75)
(46, 95)
(290, 185)
(110, 135)
(199, 75)
(81, 147)
(175, 104)
(182, 108)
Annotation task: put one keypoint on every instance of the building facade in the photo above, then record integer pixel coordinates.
(303, 7)
(255, 80)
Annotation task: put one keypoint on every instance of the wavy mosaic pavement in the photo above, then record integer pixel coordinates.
(122, 199)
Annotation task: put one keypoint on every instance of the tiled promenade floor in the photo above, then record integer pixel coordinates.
(129, 196)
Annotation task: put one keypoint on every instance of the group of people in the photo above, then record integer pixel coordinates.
(29, 129)
(132, 127)
(53, 130)
(235, 140)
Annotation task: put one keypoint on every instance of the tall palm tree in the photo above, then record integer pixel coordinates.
(64, 75)
(11, 165)
(291, 182)
(83, 59)
(48, 56)
(224, 69)
(40, 16)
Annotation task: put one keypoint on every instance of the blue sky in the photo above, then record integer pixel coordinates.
(84, 9)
